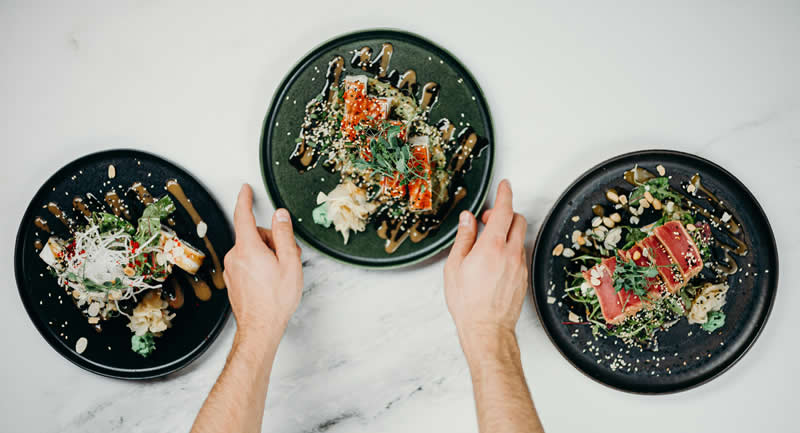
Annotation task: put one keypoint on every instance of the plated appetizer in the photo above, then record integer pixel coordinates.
(113, 269)
(398, 170)
(639, 269)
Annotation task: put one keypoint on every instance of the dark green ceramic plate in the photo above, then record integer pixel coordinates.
(460, 100)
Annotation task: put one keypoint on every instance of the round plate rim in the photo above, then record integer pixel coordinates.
(150, 373)
(537, 250)
(266, 132)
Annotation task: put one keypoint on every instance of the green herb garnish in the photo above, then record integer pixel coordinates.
(632, 277)
(658, 188)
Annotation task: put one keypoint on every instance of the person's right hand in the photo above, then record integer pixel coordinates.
(263, 271)
(485, 281)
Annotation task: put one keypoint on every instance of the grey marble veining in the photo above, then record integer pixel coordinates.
(569, 85)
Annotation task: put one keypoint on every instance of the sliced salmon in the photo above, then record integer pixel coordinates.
(681, 248)
(419, 188)
(656, 287)
(393, 186)
(670, 275)
(615, 306)
(361, 109)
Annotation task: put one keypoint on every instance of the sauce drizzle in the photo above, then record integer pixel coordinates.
(175, 189)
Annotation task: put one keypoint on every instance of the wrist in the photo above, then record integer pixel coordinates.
(258, 337)
(488, 343)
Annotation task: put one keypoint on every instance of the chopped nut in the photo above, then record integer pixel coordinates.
(634, 220)
(637, 255)
(112, 171)
(608, 222)
(648, 196)
(644, 204)
(623, 199)
(660, 169)
(94, 320)
(596, 221)
(611, 195)
(568, 253)
(581, 240)
(558, 250)
(576, 218)
(657, 204)
(573, 317)
(616, 217)
(691, 227)
(691, 188)
(575, 235)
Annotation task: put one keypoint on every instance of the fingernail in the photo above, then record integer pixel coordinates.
(508, 182)
(464, 219)
(282, 215)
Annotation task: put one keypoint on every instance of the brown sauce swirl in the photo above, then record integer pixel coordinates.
(175, 189)
(80, 206)
(56, 212)
(41, 224)
(117, 206)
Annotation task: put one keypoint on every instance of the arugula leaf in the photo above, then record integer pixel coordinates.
(150, 222)
(633, 236)
(632, 277)
(715, 321)
(658, 187)
(108, 222)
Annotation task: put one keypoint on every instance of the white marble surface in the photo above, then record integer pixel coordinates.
(376, 351)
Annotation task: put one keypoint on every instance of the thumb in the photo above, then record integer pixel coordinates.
(465, 238)
(283, 237)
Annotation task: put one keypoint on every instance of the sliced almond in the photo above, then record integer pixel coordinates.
(623, 199)
(596, 221)
(568, 253)
(608, 222)
(112, 171)
(81, 344)
(558, 250)
(611, 195)
(657, 204)
(616, 217)
(648, 196)
(661, 170)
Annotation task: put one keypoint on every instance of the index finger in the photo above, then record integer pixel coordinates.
(502, 214)
(244, 222)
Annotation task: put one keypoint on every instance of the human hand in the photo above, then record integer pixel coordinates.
(263, 271)
(485, 280)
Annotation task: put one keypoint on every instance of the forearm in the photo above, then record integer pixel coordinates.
(236, 403)
(502, 398)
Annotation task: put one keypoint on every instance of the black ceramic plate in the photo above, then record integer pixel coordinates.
(53, 311)
(460, 100)
(687, 355)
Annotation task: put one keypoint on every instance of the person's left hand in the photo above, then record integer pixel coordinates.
(263, 271)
